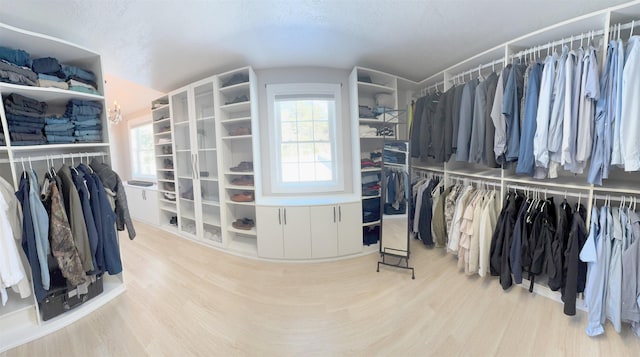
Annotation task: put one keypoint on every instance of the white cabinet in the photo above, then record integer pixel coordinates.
(303, 232)
(143, 204)
(196, 160)
(336, 230)
(284, 232)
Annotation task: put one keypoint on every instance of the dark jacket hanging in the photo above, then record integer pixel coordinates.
(112, 181)
(576, 269)
(555, 257)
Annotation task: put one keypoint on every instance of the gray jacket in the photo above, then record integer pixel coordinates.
(112, 181)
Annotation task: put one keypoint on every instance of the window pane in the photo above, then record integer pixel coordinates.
(289, 132)
(305, 131)
(321, 131)
(324, 172)
(289, 152)
(287, 110)
(321, 110)
(306, 152)
(323, 152)
(307, 172)
(290, 173)
(305, 110)
(143, 163)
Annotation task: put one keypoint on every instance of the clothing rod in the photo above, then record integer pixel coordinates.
(55, 157)
(428, 89)
(560, 42)
(478, 68)
(476, 181)
(614, 197)
(546, 191)
(613, 30)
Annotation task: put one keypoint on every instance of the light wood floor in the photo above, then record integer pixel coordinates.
(186, 299)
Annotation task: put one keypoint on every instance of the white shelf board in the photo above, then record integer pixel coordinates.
(252, 203)
(163, 143)
(49, 95)
(164, 106)
(240, 187)
(249, 232)
(371, 169)
(370, 197)
(371, 89)
(374, 223)
(210, 117)
(163, 133)
(237, 137)
(236, 120)
(169, 209)
(238, 173)
(208, 149)
(160, 121)
(236, 107)
(58, 146)
(15, 304)
(211, 203)
(181, 123)
(212, 179)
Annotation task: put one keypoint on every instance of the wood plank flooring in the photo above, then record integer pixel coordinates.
(185, 299)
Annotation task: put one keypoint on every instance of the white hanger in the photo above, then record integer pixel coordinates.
(30, 166)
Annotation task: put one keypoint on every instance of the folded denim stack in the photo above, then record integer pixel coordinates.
(49, 73)
(80, 80)
(59, 130)
(25, 118)
(371, 184)
(15, 67)
(85, 116)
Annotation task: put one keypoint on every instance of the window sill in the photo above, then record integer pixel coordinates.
(311, 200)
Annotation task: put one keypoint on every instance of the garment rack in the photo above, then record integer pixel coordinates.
(479, 68)
(56, 157)
(545, 191)
(548, 46)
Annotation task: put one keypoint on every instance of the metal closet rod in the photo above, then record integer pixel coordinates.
(479, 68)
(615, 197)
(552, 44)
(466, 180)
(547, 191)
(614, 31)
(428, 89)
(55, 157)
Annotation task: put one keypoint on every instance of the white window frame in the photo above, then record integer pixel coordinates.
(305, 90)
(133, 125)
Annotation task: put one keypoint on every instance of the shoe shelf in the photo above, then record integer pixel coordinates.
(241, 187)
(236, 120)
(250, 232)
(237, 137)
(238, 173)
(252, 203)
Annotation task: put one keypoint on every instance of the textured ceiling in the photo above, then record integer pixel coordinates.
(164, 44)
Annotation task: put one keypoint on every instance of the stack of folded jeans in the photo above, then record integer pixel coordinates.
(15, 67)
(80, 80)
(49, 73)
(59, 130)
(85, 116)
(25, 118)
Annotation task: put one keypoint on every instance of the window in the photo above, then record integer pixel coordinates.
(143, 165)
(303, 120)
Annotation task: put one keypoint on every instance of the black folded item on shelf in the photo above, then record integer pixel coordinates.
(62, 298)
(388, 209)
(371, 210)
(370, 235)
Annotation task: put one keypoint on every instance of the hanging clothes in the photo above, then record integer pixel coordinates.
(576, 270)
(526, 161)
(110, 180)
(12, 272)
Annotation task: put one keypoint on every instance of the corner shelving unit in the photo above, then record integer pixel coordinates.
(20, 319)
(237, 96)
(163, 144)
(366, 85)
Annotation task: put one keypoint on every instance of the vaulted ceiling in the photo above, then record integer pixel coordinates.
(163, 44)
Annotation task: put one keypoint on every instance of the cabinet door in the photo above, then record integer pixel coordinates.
(135, 202)
(296, 232)
(324, 231)
(349, 228)
(269, 229)
(150, 211)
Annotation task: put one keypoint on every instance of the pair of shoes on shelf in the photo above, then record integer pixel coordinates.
(167, 150)
(168, 164)
(240, 130)
(173, 220)
(163, 141)
(170, 196)
(244, 166)
(169, 186)
(243, 197)
(243, 223)
(168, 175)
(244, 180)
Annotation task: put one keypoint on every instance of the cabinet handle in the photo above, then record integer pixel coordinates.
(334, 214)
(197, 172)
(144, 196)
(279, 217)
(285, 216)
(339, 213)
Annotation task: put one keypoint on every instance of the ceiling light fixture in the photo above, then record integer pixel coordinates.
(115, 114)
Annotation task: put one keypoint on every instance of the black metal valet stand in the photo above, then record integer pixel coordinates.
(395, 257)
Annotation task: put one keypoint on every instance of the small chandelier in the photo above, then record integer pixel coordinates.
(115, 114)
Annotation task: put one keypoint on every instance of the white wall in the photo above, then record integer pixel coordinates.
(304, 75)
